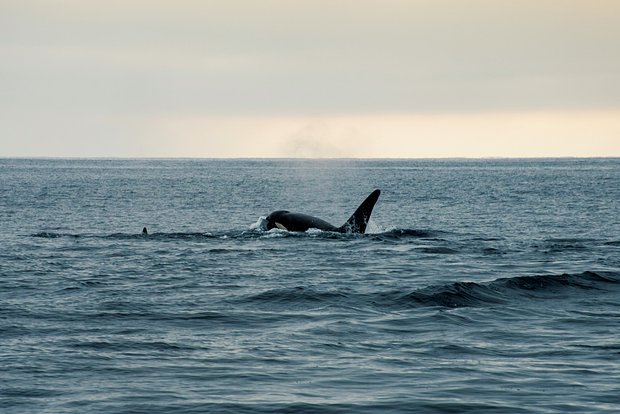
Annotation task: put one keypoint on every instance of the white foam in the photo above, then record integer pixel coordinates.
(373, 228)
(261, 224)
(275, 233)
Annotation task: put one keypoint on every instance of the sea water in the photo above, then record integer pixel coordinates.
(481, 286)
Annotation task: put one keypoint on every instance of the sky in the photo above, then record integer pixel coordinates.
(283, 78)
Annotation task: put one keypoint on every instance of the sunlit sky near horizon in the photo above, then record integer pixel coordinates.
(281, 78)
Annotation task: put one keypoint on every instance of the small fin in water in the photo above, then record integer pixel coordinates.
(145, 231)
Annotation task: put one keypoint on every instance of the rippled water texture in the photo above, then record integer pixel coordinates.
(482, 286)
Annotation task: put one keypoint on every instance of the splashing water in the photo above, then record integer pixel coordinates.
(260, 224)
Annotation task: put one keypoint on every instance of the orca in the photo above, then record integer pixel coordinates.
(285, 220)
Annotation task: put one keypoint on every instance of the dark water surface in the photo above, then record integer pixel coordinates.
(484, 286)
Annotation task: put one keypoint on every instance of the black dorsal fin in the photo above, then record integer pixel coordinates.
(359, 220)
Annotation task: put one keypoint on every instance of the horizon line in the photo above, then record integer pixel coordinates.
(490, 158)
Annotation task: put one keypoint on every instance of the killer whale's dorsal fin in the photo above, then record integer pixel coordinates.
(145, 232)
(359, 220)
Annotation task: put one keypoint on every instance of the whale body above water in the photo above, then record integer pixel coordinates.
(286, 220)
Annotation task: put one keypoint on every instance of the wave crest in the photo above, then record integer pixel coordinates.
(453, 295)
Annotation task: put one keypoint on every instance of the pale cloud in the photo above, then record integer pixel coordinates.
(496, 134)
(330, 138)
(507, 134)
(291, 72)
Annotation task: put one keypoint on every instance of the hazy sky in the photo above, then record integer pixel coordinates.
(284, 78)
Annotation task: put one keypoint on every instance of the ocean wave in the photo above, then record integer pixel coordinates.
(462, 294)
(394, 234)
(453, 295)
(299, 296)
(399, 234)
(131, 236)
(253, 233)
(52, 235)
(437, 250)
(129, 345)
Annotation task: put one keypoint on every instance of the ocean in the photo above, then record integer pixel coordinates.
(481, 286)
